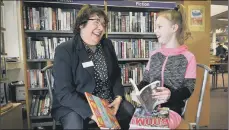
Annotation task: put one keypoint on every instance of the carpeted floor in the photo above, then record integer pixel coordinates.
(219, 110)
(219, 106)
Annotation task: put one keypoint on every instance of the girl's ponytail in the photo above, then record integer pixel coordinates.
(184, 31)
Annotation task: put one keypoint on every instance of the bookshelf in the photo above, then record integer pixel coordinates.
(52, 33)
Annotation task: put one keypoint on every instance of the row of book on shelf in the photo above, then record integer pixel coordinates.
(36, 79)
(48, 18)
(132, 70)
(134, 48)
(44, 47)
(131, 21)
(40, 105)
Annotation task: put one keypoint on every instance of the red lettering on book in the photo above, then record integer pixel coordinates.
(149, 121)
(140, 121)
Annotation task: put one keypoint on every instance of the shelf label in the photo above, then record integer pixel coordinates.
(143, 4)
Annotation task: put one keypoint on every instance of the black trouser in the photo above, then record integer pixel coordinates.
(74, 121)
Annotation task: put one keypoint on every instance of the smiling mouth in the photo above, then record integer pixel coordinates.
(97, 34)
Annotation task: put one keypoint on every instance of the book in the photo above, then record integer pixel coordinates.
(148, 115)
(156, 120)
(144, 96)
(103, 114)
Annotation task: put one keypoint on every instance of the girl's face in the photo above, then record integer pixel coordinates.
(165, 30)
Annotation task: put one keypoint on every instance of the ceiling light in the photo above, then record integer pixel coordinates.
(222, 19)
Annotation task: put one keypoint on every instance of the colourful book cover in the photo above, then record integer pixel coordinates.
(144, 120)
(104, 116)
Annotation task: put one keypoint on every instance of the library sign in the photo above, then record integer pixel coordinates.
(125, 3)
(143, 4)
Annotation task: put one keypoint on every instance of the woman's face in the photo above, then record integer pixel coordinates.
(93, 31)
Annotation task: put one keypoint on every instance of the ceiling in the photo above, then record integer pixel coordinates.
(218, 2)
(215, 23)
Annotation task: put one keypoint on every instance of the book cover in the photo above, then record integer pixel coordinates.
(158, 119)
(104, 116)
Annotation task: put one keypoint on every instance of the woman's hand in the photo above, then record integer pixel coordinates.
(162, 93)
(115, 105)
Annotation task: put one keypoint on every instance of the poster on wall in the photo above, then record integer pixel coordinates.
(196, 18)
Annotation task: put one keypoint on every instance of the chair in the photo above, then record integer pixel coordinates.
(219, 68)
(47, 70)
(207, 71)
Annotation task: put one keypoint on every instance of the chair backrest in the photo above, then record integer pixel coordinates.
(47, 70)
(207, 71)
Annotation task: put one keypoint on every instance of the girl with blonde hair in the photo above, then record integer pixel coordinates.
(172, 64)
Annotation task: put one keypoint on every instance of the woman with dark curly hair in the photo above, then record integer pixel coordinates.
(87, 63)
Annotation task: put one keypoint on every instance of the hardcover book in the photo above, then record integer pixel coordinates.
(149, 115)
(104, 116)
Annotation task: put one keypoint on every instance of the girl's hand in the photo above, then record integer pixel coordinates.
(115, 105)
(162, 94)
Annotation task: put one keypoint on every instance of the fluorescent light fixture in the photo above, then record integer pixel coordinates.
(217, 9)
(222, 19)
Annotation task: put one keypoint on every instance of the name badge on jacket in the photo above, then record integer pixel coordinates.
(87, 64)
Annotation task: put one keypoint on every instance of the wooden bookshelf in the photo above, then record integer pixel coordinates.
(31, 34)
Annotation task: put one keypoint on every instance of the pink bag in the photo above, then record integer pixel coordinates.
(174, 119)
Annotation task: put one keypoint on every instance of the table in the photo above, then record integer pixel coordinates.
(183, 125)
(5, 108)
(12, 118)
(215, 66)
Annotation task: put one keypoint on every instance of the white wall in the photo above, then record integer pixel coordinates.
(13, 39)
(11, 33)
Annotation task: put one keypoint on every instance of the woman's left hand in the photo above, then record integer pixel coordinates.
(162, 93)
(115, 105)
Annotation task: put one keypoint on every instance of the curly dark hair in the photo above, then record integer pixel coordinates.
(84, 14)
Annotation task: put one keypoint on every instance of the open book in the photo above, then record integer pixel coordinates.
(144, 96)
(103, 114)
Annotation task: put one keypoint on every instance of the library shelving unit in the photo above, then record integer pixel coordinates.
(46, 24)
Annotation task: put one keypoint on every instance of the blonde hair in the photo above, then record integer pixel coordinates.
(177, 16)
